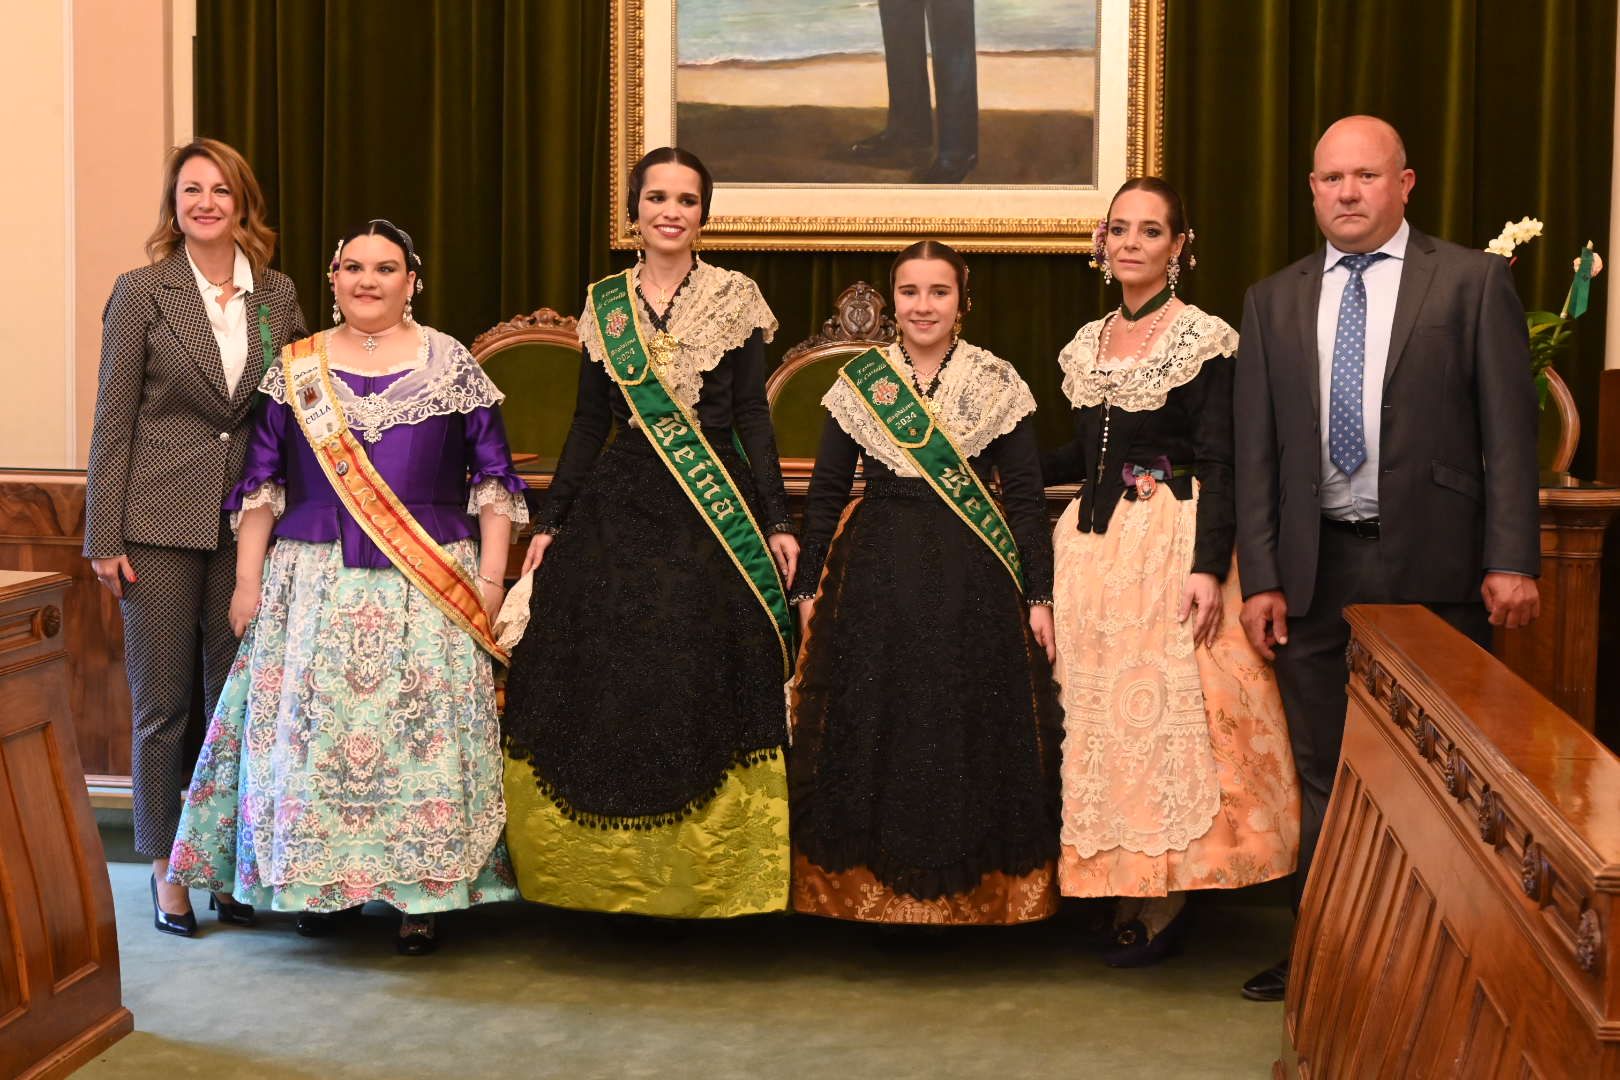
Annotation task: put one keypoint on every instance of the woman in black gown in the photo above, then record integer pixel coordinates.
(645, 713)
(926, 723)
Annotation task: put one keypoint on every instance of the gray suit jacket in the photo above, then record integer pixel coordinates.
(168, 440)
(1457, 452)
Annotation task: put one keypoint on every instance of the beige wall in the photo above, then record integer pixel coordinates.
(106, 90)
(36, 192)
(121, 128)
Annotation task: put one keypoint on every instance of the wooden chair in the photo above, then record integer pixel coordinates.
(1560, 431)
(808, 369)
(535, 360)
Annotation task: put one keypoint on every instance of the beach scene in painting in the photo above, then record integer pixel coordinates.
(992, 92)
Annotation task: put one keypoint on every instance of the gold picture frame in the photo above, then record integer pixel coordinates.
(1128, 138)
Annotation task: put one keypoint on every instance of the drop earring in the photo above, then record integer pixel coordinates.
(1172, 274)
(337, 314)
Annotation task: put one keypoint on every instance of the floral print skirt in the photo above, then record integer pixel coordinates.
(354, 754)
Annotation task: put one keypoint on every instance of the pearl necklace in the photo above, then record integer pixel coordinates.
(1108, 332)
(1130, 362)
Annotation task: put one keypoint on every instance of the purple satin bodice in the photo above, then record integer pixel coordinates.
(431, 465)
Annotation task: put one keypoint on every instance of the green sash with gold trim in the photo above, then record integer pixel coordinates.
(675, 434)
(911, 426)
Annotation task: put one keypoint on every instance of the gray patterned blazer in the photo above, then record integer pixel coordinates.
(168, 441)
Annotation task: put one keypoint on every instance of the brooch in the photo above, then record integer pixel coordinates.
(1146, 479)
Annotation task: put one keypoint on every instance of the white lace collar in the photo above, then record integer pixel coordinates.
(444, 379)
(980, 398)
(716, 312)
(1175, 359)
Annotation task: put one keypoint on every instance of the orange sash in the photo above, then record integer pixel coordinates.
(369, 499)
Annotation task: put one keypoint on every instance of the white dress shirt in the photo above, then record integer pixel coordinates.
(229, 323)
(1355, 498)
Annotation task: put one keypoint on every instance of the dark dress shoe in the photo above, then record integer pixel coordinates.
(325, 923)
(947, 170)
(418, 935)
(178, 925)
(232, 912)
(1133, 947)
(887, 144)
(1270, 985)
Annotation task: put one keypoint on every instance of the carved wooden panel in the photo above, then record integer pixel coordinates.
(1454, 923)
(59, 978)
(42, 529)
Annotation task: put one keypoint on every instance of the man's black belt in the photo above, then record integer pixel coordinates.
(1366, 529)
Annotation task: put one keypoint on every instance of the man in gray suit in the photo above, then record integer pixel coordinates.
(1385, 449)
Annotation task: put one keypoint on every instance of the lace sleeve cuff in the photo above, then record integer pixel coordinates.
(508, 504)
(266, 494)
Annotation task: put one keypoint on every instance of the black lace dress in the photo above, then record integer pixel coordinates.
(645, 712)
(927, 728)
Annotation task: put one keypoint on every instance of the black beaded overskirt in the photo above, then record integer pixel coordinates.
(648, 667)
(927, 726)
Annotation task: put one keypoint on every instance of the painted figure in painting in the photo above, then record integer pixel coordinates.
(949, 29)
(843, 94)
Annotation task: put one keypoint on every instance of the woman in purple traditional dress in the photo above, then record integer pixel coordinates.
(355, 755)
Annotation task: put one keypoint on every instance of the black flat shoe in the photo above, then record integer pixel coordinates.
(418, 936)
(232, 912)
(1270, 985)
(890, 144)
(326, 923)
(178, 925)
(1133, 948)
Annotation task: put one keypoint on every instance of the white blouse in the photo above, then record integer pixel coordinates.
(229, 323)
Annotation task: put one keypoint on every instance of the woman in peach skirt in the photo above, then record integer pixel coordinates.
(1176, 767)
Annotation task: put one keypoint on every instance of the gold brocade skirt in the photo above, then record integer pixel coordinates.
(998, 899)
(728, 858)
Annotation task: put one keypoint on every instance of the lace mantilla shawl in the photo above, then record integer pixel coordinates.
(980, 398)
(445, 379)
(1175, 360)
(714, 314)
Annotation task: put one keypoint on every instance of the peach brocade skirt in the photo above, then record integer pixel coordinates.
(1177, 772)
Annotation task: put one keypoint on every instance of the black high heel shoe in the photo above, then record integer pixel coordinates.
(232, 912)
(178, 925)
(418, 935)
(1133, 948)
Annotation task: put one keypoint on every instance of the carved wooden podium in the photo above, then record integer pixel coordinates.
(59, 988)
(1460, 915)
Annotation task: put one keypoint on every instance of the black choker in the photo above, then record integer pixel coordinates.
(1161, 298)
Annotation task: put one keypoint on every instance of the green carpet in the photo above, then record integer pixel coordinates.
(522, 991)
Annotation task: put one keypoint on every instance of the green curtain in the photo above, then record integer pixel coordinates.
(482, 126)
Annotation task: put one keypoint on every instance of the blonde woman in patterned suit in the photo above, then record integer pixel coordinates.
(182, 349)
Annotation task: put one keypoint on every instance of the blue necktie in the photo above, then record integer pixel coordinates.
(1347, 439)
